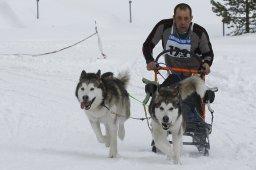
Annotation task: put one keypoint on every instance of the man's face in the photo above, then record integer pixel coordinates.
(182, 19)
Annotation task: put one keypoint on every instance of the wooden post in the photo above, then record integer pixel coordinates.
(130, 8)
(37, 5)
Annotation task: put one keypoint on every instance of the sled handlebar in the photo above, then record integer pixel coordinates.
(177, 51)
(176, 69)
(180, 70)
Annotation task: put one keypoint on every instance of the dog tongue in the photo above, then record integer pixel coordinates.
(82, 105)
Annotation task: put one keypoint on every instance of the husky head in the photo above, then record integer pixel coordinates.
(89, 90)
(165, 106)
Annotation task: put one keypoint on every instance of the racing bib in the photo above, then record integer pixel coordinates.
(181, 44)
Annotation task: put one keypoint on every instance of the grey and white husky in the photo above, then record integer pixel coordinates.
(105, 100)
(165, 110)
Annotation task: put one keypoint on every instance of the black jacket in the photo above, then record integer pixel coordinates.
(200, 40)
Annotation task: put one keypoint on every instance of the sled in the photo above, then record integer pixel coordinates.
(200, 130)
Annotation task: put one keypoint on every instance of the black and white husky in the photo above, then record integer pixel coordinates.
(105, 100)
(165, 110)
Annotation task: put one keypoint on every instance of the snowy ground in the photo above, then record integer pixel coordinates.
(41, 124)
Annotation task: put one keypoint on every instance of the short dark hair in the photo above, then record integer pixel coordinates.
(183, 6)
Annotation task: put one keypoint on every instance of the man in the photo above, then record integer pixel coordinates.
(181, 33)
(180, 29)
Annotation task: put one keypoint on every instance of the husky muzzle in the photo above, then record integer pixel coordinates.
(165, 123)
(86, 104)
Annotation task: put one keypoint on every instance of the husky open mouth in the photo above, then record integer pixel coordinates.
(166, 126)
(87, 104)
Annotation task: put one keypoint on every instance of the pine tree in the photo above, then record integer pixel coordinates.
(239, 15)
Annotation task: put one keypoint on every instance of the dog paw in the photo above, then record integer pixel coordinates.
(121, 132)
(101, 139)
(107, 141)
(112, 154)
(169, 157)
(177, 161)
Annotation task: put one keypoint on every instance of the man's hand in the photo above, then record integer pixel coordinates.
(205, 68)
(151, 66)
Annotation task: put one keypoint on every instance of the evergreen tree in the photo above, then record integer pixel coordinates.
(239, 15)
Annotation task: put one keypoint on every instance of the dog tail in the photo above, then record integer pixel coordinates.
(124, 77)
(191, 85)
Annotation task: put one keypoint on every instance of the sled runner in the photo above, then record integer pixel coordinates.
(178, 69)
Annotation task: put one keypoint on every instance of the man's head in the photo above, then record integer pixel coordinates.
(182, 17)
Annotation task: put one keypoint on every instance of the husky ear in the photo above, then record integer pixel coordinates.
(83, 75)
(98, 74)
(176, 90)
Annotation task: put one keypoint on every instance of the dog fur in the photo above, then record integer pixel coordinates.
(165, 110)
(105, 101)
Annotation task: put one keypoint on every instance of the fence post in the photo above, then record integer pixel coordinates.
(130, 8)
(37, 5)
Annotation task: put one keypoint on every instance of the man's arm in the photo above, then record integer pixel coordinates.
(206, 49)
(153, 38)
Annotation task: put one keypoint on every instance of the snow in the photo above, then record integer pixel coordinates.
(41, 124)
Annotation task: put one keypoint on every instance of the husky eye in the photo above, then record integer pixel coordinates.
(92, 89)
(171, 109)
(82, 89)
(161, 108)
